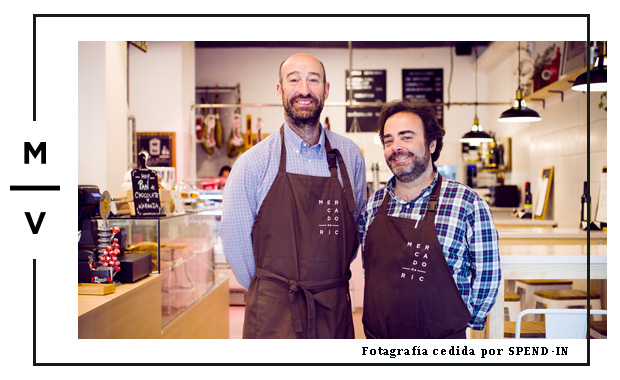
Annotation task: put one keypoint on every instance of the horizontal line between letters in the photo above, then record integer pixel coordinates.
(35, 188)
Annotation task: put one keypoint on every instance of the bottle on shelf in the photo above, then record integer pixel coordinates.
(527, 202)
(584, 207)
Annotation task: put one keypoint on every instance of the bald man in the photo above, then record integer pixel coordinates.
(289, 213)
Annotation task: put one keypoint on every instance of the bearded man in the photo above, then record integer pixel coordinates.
(429, 244)
(288, 216)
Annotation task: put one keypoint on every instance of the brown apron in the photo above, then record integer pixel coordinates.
(409, 289)
(303, 238)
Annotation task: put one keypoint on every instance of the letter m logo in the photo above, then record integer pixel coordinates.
(28, 150)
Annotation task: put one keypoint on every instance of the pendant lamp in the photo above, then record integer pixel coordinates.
(598, 75)
(519, 113)
(476, 136)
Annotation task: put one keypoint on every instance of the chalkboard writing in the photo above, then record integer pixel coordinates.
(425, 85)
(145, 192)
(367, 86)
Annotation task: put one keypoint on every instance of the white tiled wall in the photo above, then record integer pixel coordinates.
(560, 140)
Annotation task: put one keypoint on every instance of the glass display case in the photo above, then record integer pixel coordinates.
(182, 252)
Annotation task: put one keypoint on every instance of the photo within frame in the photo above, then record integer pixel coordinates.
(160, 147)
(544, 189)
(601, 207)
(574, 57)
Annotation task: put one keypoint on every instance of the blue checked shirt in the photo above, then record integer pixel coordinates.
(251, 178)
(466, 232)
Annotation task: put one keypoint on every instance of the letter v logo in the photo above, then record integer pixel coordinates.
(35, 228)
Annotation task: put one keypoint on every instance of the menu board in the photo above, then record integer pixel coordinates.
(425, 85)
(145, 192)
(365, 86)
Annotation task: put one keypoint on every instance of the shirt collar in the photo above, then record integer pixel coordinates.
(295, 140)
(425, 193)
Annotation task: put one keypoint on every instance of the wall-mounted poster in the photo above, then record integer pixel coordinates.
(425, 85)
(160, 147)
(366, 86)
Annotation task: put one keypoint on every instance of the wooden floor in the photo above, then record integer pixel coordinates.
(236, 322)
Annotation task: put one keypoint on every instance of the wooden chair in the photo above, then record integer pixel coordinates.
(526, 289)
(558, 324)
(565, 298)
(512, 306)
(598, 329)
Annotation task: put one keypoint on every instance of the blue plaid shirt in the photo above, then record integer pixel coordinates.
(252, 176)
(466, 232)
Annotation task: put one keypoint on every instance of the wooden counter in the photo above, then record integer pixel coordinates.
(549, 236)
(553, 262)
(523, 223)
(134, 312)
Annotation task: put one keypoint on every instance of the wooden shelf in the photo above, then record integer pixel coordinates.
(565, 82)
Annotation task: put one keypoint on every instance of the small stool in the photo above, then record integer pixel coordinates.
(526, 289)
(598, 329)
(563, 299)
(529, 329)
(512, 306)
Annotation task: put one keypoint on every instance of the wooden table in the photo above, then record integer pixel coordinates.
(549, 236)
(553, 262)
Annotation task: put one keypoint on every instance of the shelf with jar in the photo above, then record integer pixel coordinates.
(565, 82)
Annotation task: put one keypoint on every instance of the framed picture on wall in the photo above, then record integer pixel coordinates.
(544, 190)
(160, 147)
(601, 206)
(574, 57)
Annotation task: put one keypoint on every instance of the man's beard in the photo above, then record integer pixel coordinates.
(412, 171)
(306, 117)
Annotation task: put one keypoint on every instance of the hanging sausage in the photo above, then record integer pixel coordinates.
(236, 143)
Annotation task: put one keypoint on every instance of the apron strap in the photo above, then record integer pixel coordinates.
(282, 168)
(432, 202)
(434, 198)
(334, 155)
(308, 288)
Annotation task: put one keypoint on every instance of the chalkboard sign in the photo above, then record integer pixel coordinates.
(145, 192)
(367, 86)
(425, 85)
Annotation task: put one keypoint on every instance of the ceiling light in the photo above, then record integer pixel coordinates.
(476, 136)
(519, 113)
(598, 75)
